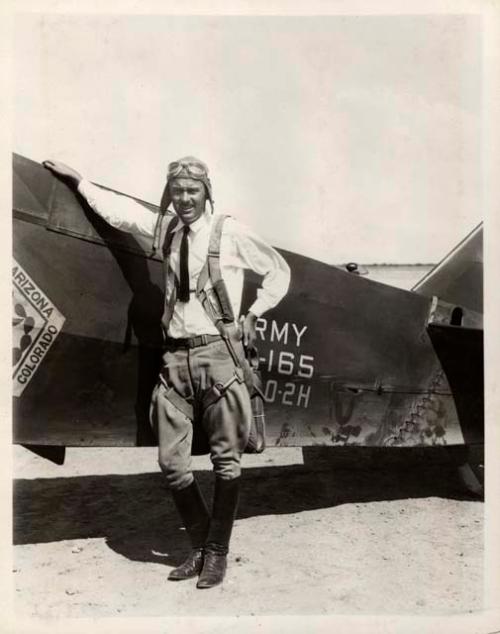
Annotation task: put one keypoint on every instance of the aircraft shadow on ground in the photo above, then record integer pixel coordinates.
(136, 516)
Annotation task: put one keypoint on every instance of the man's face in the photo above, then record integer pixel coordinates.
(188, 197)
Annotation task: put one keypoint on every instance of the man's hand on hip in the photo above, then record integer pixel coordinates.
(65, 172)
(248, 329)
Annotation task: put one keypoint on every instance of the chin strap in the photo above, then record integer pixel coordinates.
(157, 232)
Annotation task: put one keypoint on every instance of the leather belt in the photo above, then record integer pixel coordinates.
(191, 342)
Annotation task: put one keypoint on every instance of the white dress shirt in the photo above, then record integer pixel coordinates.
(241, 249)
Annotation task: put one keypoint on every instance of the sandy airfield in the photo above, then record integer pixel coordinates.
(316, 533)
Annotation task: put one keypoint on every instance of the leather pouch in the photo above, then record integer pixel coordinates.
(257, 437)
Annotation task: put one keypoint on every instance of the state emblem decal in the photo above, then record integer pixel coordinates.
(36, 322)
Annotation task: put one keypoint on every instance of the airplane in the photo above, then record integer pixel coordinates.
(346, 361)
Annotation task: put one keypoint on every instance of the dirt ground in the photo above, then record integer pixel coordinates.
(316, 533)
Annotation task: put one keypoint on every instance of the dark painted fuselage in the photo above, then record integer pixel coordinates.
(346, 361)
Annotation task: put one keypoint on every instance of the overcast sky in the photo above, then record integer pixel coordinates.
(342, 138)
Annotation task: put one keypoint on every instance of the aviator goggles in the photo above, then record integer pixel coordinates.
(192, 169)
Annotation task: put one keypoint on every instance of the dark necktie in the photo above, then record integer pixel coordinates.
(184, 267)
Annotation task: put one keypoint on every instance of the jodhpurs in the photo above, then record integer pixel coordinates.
(193, 373)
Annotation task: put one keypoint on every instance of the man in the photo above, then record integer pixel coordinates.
(204, 380)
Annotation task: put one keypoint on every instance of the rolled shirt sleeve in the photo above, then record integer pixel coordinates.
(256, 254)
(122, 212)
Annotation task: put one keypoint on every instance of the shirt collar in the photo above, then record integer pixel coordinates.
(203, 221)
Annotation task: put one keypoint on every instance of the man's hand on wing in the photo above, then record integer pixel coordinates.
(65, 172)
(248, 329)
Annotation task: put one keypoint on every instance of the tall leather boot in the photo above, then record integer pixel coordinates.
(226, 498)
(196, 519)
